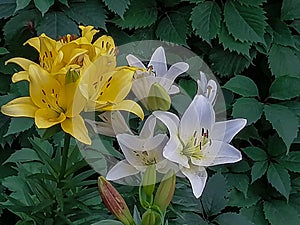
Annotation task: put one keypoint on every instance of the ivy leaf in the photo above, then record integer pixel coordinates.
(18, 125)
(242, 85)
(44, 5)
(291, 161)
(255, 213)
(285, 87)
(215, 199)
(172, 28)
(230, 43)
(245, 23)
(206, 20)
(139, 14)
(118, 7)
(21, 4)
(255, 153)
(279, 178)
(283, 61)
(7, 8)
(281, 33)
(258, 170)
(232, 218)
(279, 212)
(248, 108)
(284, 121)
(290, 10)
(93, 8)
(56, 24)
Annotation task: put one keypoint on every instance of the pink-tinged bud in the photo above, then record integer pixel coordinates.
(114, 202)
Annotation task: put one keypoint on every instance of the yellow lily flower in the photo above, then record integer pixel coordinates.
(51, 103)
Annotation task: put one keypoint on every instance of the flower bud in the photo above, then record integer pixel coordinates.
(114, 202)
(158, 98)
(72, 76)
(149, 179)
(165, 191)
(150, 218)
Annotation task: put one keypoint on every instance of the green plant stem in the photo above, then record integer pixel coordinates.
(64, 159)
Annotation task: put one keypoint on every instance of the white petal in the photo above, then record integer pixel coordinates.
(101, 128)
(212, 89)
(148, 127)
(120, 170)
(202, 83)
(198, 115)
(157, 142)
(226, 130)
(197, 177)
(130, 141)
(169, 119)
(158, 62)
(118, 123)
(134, 61)
(172, 152)
(173, 90)
(218, 153)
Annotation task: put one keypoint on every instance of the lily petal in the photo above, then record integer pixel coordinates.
(22, 75)
(158, 62)
(148, 127)
(24, 63)
(20, 107)
(170, 120)
(46, 117)
(120, 170)
(134, 61)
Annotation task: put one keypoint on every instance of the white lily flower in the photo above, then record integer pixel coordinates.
(155, 72)
(140, 152)
(207, 88)
(197, 141)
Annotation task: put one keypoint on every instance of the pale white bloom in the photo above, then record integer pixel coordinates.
(197, 141)
(207, 88)
(141, 151)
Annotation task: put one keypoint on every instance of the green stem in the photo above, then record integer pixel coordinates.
(64, 159)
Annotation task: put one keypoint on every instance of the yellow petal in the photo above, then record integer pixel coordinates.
(88, 32)
(24, 63)
(76, 127)
(20, 107)
(46, 117)
(22, 75)
(34, 42)
(126, 105)
(105, 45)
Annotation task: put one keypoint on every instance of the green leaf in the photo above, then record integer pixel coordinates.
(43, 5)
(65, 2)
(296, 25)
(290, 10)
(118, 7)
(255, 153)
(190, 219)
(239, 181)
(206, 20)
(279, 178)
(96, 160)
(172, 28)
(279, 213)
(255, 214)
(23, 155)
(276, 146)
(214, 199)
(284, 121)
(108, 222)
(21, 4)
(3, 51)
(248, 108)
(93, 8)
(139, 14)
(232, 218)
(249, 132)
(242, 85)
(228, 42)
(251, 2)
(291, 161)
(18, 125)
(293, 105)
(281, 33)
(283, 61)
(7, 8)
(285, 87)
(258, 170)
(245, 23)
(56, 24)
(238, 199)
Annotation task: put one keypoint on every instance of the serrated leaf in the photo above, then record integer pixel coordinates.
(118, 7)
(7, 8)
(18, 125)
(258, 170)
(242, 85)
(283, 61)
(246, 23)
(248, 108)
(285, 87)
(43, 5)
(234, 63)
(276, 146)
(230, 43)
(232, 218)
(279, 178)
(255, 153)
(21, 4)
(172, 28)
(23, 155)
(93, 8)
(255, 214)
(189, 219)
(291, 161)
(279, 213)
(139, 14)
(206, 20)
(290, 10)
(56, 24)
(296, 25)
(214, 199)
(237, 198)
(281, 33)
(239, 181)
(249, 132)
(284, 121)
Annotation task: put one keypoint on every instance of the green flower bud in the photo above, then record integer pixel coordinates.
(72, 76)
(158, 98)
(147, 187)
(150, 217)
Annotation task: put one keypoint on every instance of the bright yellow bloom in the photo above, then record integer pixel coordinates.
(51, 103)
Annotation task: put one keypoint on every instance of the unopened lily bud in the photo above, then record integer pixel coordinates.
(149, 180)
(158, 98)
(150, 218)
(114, 202)
(72, 76)
(165, 191)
